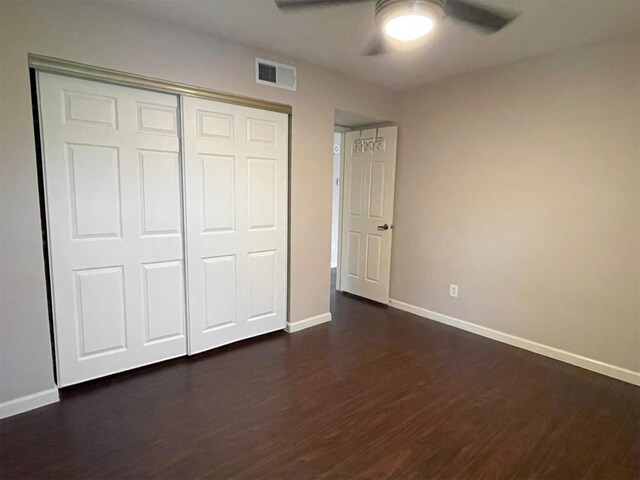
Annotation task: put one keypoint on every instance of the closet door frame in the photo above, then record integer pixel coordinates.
(41, 63)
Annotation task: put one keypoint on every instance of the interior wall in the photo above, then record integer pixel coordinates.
(97, 33)
(521, 184)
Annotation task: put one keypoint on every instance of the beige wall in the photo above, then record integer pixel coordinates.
(97, 34)
(521, 184)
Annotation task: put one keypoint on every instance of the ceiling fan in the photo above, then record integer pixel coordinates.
(403, 21)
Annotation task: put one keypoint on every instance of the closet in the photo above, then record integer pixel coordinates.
(166, 223)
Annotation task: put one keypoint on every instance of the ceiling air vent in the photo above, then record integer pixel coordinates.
(275, 74)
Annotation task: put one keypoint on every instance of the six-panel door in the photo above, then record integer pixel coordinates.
(236, 163)
(114, 213)
(367, 218)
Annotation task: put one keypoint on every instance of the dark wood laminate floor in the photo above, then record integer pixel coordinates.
(377, 393)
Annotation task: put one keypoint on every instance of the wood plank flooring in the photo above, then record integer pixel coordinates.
(376, 393)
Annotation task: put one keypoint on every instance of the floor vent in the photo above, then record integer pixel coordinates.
(275, 74)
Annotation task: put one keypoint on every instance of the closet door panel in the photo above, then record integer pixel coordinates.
(113, 196)
(236, 163)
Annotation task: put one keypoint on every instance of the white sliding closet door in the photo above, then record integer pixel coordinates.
(236, 161)
(113, 195)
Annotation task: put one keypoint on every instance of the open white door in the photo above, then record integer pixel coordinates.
(236, 164)
(367, 212)
(112, 181)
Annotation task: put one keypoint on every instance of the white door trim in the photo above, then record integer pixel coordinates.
(340, 209)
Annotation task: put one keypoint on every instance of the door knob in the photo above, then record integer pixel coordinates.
(383, 227)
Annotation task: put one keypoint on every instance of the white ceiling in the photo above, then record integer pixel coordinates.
(335, 36)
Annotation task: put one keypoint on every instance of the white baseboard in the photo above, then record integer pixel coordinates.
(28, 402)
(620, 373)
(308, 322)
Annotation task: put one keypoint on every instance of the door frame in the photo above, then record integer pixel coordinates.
(42, 63)
(342, 131)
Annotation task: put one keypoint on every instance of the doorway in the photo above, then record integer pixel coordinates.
(363, 184)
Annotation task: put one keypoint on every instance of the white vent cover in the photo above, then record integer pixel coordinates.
(275, 74)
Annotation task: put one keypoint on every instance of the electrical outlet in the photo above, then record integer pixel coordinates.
(453, 290)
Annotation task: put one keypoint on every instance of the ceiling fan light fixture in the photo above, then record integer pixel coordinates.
(408, 27)
(408, 20)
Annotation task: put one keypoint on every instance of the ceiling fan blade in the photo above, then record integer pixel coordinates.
(488, 19)
(376, 46)
(298, 4)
